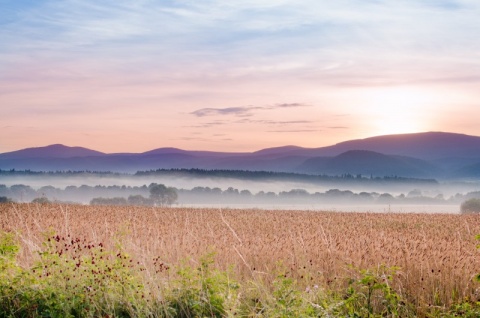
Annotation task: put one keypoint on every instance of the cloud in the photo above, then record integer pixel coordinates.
(294, 131)
(290, 105)
(273, 122)
(69, 60)
(192, 139)
(242, 111)
(208, 124)
(235, 111)
(338, 127)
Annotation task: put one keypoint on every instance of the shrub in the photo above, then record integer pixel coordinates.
(470, 206)
(202, 292)
(109, 201)
(42, 200)
(71, 278)
(5, 200)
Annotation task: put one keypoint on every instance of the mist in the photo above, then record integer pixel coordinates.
(337, 194)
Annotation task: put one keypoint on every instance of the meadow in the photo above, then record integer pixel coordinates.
(73, 260)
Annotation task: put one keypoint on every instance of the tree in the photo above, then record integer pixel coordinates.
(470, 206)
(42, 200)
(161, 195)
(109, 201)
(386, 198)
(5, 200)
(139, 200)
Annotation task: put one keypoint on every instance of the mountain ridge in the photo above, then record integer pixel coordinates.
(430, 154)
(367, 162)
(396, 144)
(51, 151)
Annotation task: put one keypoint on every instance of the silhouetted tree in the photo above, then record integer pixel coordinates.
(42, 200)
(108, 201)
(161, 195)
(470, 206)
(139, 200)
(5, 200)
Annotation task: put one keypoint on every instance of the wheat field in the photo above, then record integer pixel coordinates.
(435, 254)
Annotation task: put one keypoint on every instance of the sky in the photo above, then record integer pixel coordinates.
(234, 75)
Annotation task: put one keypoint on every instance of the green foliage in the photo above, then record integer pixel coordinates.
(470, 206)
(8, 247)
(371, 294)
(72, 278)
(202, 292)
(289, 300)
(76, 278)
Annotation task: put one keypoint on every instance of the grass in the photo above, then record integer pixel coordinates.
(72, 260)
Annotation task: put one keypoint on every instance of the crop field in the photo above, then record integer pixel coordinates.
(283, 263)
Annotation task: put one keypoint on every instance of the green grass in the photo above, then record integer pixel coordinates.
(75, 278)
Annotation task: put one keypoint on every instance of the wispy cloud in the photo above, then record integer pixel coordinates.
(338, 127)
(273, 122)
(294, 131)
(209, 124)
(289, 105)
(184, 64)
(235, 111)
(243, 111)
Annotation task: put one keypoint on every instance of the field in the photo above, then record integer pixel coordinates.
(244, 262)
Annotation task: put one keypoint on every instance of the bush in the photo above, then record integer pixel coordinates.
(5, 200)
(202, 292)
(70, 280)
(109, 201)
(139, 200)
(42, 200)
(470, 206)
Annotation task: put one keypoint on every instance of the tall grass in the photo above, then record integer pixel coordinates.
(135, 261)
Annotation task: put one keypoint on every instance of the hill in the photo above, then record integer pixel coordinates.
(370, 163)
(427, 146)
(52, 151)
(430, 154)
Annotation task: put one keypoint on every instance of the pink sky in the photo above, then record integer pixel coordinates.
(238, 77)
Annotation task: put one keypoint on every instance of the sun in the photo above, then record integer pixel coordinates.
(396, 110)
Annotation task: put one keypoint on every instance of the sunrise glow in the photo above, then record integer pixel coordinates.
(134, 76)
(397, 110)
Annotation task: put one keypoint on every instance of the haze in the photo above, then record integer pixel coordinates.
(130, 76)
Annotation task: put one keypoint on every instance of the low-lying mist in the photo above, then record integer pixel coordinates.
(334, 194)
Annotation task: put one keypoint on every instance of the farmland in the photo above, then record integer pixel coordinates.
(283, 263)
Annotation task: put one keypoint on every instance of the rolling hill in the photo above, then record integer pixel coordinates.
(431, 154)
(52, 151)
(370, 163)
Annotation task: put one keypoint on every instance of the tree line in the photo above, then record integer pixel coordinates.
(231, 174)
(159, 194)
(280, 176)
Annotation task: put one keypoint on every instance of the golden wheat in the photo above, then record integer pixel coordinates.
(436, 253)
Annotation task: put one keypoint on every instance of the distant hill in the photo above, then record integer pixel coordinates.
(279, 150)
(431, 154)
(429, 146)
(52, 151)
(470, 171)
(370, 163)
(196, 153)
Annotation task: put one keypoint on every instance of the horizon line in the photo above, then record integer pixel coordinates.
(236, 152)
